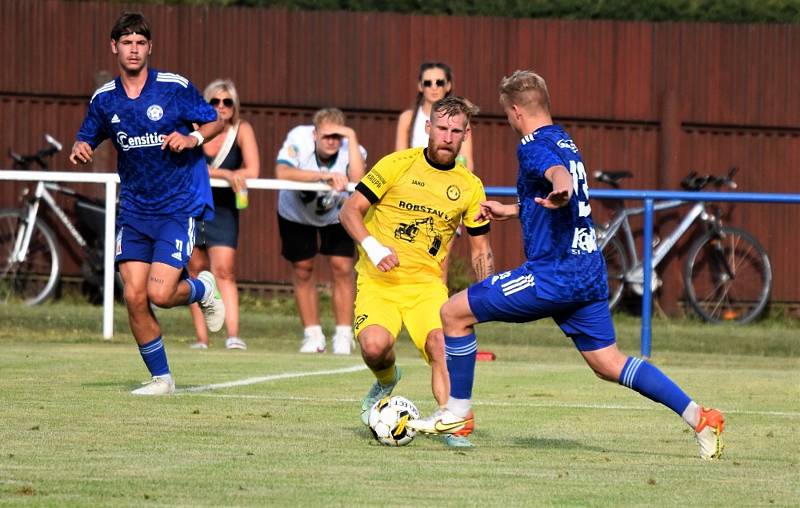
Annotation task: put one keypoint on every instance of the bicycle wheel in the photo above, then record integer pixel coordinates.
(617, 267)
(728, 276)
(33, 280)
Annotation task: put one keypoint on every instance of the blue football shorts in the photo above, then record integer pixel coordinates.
(511, 297)
(168, 240)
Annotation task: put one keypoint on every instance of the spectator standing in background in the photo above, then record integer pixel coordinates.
(233, 157)
(434, 82)
(308, 221)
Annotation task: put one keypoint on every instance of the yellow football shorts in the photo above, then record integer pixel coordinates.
(414, 305)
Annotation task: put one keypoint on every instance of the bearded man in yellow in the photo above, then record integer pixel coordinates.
(404, 214)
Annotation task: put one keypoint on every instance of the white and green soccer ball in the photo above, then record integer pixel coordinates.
(388, 420)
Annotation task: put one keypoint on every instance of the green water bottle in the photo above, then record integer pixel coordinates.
(241, 199)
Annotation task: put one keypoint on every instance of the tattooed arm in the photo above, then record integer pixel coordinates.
(482, 257)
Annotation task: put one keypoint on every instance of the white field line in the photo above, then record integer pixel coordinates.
(488, 403)
(266, 379)
(497, 403)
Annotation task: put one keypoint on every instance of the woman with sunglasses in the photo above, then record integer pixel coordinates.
(231, 156)
(435, 81)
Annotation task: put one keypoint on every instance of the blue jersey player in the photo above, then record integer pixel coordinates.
(150, 117)
(564, 276)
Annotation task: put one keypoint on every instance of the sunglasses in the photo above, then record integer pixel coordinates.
(227, 102)
(439, 82)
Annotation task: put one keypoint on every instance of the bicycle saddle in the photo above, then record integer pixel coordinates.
(612, 178)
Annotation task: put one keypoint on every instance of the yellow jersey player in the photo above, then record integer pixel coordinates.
(403, 214)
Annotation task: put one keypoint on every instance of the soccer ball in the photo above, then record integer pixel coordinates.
(388, 419)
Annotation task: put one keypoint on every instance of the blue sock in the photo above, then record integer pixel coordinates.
(198, 290)
(646, 379)
(460, 353)
(155, 357)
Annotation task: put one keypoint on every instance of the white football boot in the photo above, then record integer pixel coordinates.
(159, 385)
(440, 422)
(212, 305)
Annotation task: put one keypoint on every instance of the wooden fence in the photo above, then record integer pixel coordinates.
(659, 99)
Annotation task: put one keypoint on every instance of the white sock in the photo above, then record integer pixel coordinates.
(459, 407)
(166, 377)
(314, 331)
(344, 331)
(691, 415)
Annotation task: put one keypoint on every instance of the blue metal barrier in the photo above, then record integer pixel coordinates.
(649, 197)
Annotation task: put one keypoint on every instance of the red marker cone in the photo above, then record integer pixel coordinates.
(485, 356)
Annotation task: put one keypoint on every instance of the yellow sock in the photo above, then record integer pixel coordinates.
(385, 376)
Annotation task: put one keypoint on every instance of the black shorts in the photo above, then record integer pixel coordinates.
(301, 241)
(221, 231)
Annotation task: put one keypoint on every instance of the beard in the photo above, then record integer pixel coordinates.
(442, 154)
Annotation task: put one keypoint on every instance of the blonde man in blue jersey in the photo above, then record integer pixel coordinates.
(404, 214)
(564, 276)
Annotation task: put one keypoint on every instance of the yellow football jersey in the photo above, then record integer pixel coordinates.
(416, 208)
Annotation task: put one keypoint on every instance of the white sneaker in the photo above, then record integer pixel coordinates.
(159, 385)
(440, 422)
(198, 345)
(343, 343)
(212, 305)
(313, 344)
(235, 343)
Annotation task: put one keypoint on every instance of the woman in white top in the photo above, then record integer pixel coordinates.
(435, 81)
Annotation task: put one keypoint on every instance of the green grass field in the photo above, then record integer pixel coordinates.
(288, 434)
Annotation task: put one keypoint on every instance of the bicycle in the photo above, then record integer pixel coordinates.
(727, 273)
(30, 266)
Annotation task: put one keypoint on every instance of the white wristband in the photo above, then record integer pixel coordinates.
(199, 137)
(374, 249)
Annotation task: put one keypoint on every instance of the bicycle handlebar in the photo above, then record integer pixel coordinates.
(24, 161)
(694, 182)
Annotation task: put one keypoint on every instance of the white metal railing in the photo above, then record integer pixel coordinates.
(111, 181)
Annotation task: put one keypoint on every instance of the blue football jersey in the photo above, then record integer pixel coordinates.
(153, 182)
(559, 244)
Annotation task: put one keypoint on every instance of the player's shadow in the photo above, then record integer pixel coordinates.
(362, 431)
(548, 443)
(111, 384)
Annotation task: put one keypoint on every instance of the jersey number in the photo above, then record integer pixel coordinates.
(581, 188)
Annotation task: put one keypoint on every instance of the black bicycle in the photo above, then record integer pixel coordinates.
(30, 266)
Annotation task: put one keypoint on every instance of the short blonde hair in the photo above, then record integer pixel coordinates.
(454, 105)
(328, 115)
(524, 88)
(224, 85)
